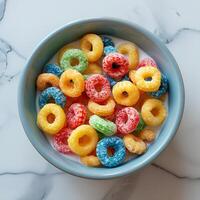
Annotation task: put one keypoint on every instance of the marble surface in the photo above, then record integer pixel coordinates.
(25, 175)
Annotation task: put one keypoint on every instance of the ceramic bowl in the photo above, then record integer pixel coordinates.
(71, 32)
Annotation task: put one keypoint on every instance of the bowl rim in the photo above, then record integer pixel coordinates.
(155, 40)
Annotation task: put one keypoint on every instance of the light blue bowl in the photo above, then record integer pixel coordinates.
(73, 31)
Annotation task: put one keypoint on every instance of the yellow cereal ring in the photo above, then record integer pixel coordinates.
(125, 93)
(153, 112)
(54, 126)
(132, 51)
(102, 110)
(90, 161)
(92, 45)
(144, 73)
(72, 83)
(93, 68)
(63, 50)
(132, 75)
(45, 80)
(134, 144)
(83, 140)
(147, 135)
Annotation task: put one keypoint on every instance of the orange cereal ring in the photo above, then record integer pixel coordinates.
(93, 68)
(132, 75)
(147, 135)
(102, 110)
(132, 51)
(90, 161)
(45, 80)
(92, 45)
(125, 93)
(72, 83)
(153, 112)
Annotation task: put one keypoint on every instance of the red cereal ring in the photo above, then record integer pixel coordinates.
(97, 88)
(60, 140)
(147, 62)
(76, 115)
(127, 120)
(115, 65)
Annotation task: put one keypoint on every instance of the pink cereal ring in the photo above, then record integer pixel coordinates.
(97, 88)
(76, 115)
(127, 120)
(147, 62)
(60, 140)
(115, 65)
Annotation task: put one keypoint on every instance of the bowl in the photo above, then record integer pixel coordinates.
(70, 32)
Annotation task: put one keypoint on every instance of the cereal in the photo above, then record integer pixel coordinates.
(58, 123)
(104, 126)
(76, 115)
(125, 93)
(105, 109)
(93, 68)
(127, 120)
(134, 144)
(90, 161)
(74, 59)
(72, 83)
(132, 75)
(147, 135)
(107, 41)
(147, 62)
(153, 112)
(45, 80)
(97, 88)
(92, 45)
(141, 76)
(132, 51)
(83, 140)
(115, 65)
(52, 93)
(60, 140)
(119, 151)
(53, 69)
(109, 49)
(141, 125)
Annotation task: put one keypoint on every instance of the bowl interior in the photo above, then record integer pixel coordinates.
(71, 32)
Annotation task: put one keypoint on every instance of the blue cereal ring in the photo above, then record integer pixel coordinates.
(162, 89)
(53, 69)
(109, 49)
(111, 81)
(125, 78)
(107, 41)
(119, 151)
(52, 93)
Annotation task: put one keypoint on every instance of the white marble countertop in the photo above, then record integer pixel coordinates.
(25, 175)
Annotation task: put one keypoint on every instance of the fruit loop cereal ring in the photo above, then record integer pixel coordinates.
(109, 49)
(102, 110)
(74, 59)
(52, 93)
(119, 151)
(72, 83)
(134, 144)
(92, 45)
(59, 118)
(115, 65)
(93, 68)
(162, 89)
(132, 51)
(132, 75)
(76, 115)
(47, 80)
(107, 41)
(147, 62)
(97, 88)
(127, 120)
(90, 161)
(153, 112)
(141, 125)
(62, 51)
(147, 135)
(83, 140)
(60, 140)
(104, 126)
(125, 93)
(141, 76)
(53, 69)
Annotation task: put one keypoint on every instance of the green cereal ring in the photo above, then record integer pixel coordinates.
(141, 125)
(74, 54)
(104, 126)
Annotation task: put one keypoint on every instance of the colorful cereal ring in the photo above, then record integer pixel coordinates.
(107, 41)
(53, 69)
(109, 49)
